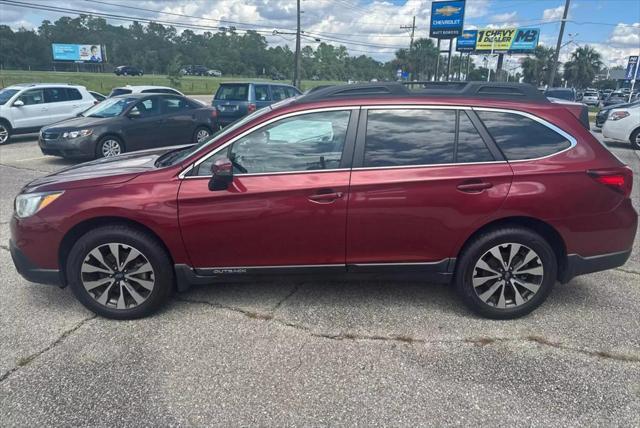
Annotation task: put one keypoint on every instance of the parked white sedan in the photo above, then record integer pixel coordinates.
(623, 124)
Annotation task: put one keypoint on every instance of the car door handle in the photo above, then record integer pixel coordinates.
(474, 187)
(324, 198)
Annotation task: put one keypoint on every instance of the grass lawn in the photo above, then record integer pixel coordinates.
(104, 82)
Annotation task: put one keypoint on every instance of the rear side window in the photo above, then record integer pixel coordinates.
(175, 105)
(119, 91)
(55, 95)
(73, 94)
(278, 93)
(233, 93)
(291, 92)
(409, 137)
(471, 146)
(262, 93)
(520, 137)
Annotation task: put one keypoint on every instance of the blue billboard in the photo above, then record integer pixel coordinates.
(77, 53)
(466, 42)
(630, 73)
(447, 19)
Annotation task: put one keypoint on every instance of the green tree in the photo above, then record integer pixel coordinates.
(535, 68)
(583, 66)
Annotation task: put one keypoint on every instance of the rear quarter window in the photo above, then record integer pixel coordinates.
(520, 137)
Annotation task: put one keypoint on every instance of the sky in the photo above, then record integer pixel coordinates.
(370, 27)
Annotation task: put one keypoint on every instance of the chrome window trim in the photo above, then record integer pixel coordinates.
(185, 171)
(573, 142)
(434, 165)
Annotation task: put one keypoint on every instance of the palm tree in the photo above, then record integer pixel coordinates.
(583, 66)
(535, 68)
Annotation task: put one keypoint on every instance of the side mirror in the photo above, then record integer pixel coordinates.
(222, 170)
(18, 103)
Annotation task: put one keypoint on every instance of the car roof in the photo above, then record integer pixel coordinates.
(143, 87)
(43, 85)
(139, 95)
(256, 83)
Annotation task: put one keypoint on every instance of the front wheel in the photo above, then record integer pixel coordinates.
(506, 273)
(635, 139)
(120, 272)
(108, 147)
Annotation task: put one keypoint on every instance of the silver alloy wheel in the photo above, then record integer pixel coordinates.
(202, 135)
(110, 148)
(508, 275)
(637, 138)
(4, 134)
(117, 276)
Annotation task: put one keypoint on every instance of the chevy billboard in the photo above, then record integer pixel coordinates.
(500, 40)
(77, 53)
(447, 18)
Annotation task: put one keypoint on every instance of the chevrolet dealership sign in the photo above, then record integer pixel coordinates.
(511, 40)
(447, 18)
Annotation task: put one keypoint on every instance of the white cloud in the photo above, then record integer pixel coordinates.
(502, 17)
(553, 14)
(626, 35)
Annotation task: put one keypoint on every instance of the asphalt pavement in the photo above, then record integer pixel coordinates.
(316, 352)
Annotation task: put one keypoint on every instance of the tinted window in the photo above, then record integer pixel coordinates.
(174, 105)
(520, 137)
(159, 91)
(233, 92)
(119, 91)
(149, 107)
(560, 93)
(262, 93)
(291, 92)
(409, 137)
(55, 95)
(278, 93)
(471, 147)
(34, 96)
(73, 94)
(306, 142)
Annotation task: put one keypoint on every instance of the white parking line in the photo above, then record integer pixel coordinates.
(29, 159)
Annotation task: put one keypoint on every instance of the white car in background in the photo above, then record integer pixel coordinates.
(143, 89)
(591, 98)
(623, 124)
(27, 107)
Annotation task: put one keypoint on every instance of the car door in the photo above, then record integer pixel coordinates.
(32, 113)
(286, 207)
(423, 179)
(58, 107)
(179, 120)
(143, 127)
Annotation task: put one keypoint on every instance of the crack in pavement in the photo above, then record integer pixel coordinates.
(408, 340)
(4, 247)
(25, 361)
(629, 271)
(293, 291)
(24, 169)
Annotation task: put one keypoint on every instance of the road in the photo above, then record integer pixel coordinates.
(316, 352)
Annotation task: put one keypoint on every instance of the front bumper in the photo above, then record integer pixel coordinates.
(31, 272)
(82, 147)
(578, 265)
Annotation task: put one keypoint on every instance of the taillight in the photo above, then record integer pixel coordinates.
(617, 115)
(214, 113)
(618, 179)
(251, 108)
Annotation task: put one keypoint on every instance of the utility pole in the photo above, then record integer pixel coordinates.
(296, 66)
(413, 29)
(449, 59)
(436, 75)
(554, 66)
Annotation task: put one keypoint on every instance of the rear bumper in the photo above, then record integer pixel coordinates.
(578, 265)
(31, 272)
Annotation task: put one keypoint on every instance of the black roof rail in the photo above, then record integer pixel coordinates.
(485, 90)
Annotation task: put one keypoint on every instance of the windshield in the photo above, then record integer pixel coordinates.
(109, 108)
(119, 91)
(590, 94)
(6, 94)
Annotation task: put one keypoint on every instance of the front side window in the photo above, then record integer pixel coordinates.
(306, 142)
(520, 137)
(33, 96)
(409, 137)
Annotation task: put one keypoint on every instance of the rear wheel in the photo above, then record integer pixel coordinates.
(201, 133)
(109, 146)
(635, 139)
(506, 273)
(119, 272)
(5, 132)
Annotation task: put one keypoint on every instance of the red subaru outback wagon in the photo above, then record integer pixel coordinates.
(488, 186)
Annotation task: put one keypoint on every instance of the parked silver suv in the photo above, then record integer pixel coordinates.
(25, 108)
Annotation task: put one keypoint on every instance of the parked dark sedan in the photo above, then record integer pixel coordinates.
(127, 123)
(128, 70)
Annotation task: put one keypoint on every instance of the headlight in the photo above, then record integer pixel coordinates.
(618, 115)
(76, 134)
(27, 204)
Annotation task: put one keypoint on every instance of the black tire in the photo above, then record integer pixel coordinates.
(199, 130)
(146, 244)
(108, 139)
(475, 250)
(5, 132)
(635, 139)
